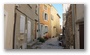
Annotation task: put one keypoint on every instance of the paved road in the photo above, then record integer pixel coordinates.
(50, 44)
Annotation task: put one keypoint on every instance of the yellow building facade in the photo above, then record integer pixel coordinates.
(45, 21)
(55, 22)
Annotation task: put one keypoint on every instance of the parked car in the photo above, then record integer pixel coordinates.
(60, 43)
(60, 39)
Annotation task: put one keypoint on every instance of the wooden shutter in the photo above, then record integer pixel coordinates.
(22, 24)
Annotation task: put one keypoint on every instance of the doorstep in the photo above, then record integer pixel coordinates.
(32, 43)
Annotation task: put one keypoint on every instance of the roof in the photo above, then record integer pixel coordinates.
(58, 15)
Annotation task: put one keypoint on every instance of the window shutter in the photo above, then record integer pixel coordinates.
(47, 17)
(22, 24)
(46, 28)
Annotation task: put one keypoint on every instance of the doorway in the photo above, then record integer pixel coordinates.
(81, 31)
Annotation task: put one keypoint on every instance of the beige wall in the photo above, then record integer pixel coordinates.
(29, 14)
(55, 22)
(79, 17)
(77, 43)
(58, 24)
(8, 25)
(42, 20)
(79, 11)
(9, 12)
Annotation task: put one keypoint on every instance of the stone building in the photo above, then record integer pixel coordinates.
(45, 20)
(79, 26)
(74, 26)
(55, 22)
(68, 29)
(57, 18)
(22, 25)
(9, 11)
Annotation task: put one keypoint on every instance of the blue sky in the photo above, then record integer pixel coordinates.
(59, 9)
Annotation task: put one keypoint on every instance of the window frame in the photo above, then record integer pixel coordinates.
(46, 28)
(45, 19)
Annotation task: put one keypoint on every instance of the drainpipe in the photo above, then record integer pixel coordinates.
(73, 26)
(14, 39)
(14, 31)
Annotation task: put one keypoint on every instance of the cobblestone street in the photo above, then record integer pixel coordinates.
(52, 43)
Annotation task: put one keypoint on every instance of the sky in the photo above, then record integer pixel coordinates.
(59, 9)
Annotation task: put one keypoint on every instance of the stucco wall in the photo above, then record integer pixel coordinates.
(8, 25)
(29, 14)
(58, 24)
(80, 11)
(55, 22)
(79, 16)
(77, 43)
(45, 22)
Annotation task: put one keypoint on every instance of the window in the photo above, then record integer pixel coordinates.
(22, 24)
(46, 28)
(45, 16)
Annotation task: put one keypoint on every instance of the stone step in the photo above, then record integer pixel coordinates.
(30, 44)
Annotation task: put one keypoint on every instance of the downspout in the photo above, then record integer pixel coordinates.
(14, 28)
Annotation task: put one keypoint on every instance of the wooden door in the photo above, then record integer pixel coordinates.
(81, 31)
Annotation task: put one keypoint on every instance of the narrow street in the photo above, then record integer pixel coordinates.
(44, 26)
(49, 44)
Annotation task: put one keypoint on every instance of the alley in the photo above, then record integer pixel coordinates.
(44, 26)
(51, 43)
